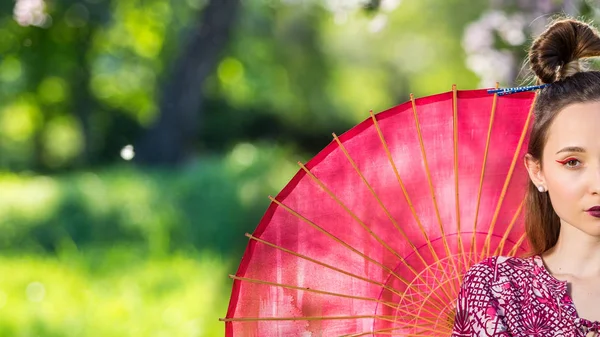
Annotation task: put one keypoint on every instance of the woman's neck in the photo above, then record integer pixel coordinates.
(575, 253)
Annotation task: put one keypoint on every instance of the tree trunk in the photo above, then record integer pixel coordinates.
(83, 100)
(169, 141)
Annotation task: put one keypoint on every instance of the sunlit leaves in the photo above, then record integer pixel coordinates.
(231, 77)
(11, 69)
(126, 86)
(357, 90)
(142, 25)
(230, 70)
(62, 139)
(19, 120)
(124, 58)
(52, 90)
(247, 161)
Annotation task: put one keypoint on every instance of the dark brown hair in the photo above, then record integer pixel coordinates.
(555, 57)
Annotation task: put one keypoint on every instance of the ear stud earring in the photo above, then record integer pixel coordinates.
(541, 188)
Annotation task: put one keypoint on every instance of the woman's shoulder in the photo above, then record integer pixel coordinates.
(502, 268)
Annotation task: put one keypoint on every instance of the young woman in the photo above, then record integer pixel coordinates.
(555, 291)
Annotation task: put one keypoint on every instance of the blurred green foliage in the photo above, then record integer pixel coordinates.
(89, 80)
(130, 252)
(159, 211)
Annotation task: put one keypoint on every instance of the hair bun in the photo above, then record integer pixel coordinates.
(555, 54)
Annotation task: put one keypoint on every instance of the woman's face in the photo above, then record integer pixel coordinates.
(571, 165)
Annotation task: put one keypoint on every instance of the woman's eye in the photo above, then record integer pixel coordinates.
(572, 163)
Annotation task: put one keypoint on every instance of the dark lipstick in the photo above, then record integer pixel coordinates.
(594, 211)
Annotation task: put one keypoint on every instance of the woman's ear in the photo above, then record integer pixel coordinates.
(535, 170)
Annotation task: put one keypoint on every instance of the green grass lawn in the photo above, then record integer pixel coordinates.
(113, 292)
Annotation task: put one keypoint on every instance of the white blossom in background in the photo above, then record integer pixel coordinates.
(342, 8)
(389, 5)
(483, 59)
(31, 13)
(513, 30)
(127, 152)
(378, 23)
(380, 20)
(492, 66)
(339, 6)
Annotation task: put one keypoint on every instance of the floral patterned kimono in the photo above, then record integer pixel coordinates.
(510, 296)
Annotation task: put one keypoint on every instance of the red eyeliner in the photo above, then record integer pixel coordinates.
(566, 160)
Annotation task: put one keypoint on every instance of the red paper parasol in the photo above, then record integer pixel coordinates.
(372, 236)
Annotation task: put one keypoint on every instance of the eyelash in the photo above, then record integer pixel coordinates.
(568, 160)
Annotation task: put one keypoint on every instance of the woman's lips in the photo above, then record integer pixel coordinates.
(594, 210)
(594, 213)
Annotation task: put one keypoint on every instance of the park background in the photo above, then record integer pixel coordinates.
(140, 139)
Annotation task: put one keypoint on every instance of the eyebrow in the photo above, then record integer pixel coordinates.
(571, 149)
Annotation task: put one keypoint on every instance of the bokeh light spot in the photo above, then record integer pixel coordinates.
(53, 90)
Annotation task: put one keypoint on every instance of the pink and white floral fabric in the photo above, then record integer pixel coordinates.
(510, 296)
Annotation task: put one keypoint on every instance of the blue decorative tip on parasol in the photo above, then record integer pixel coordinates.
(508, 91)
